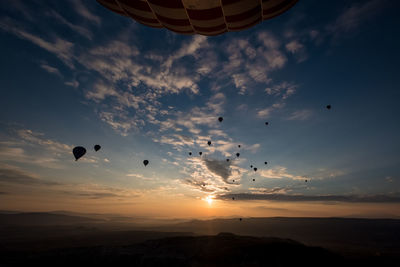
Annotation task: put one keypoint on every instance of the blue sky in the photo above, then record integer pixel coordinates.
(73, 73)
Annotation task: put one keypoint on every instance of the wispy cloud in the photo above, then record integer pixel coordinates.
(63, 49)
(300, 115)
(266, 112)
(50, 69)
(34, 148)
(15, 176)
(313, 198)
(280, 172)
(82, 10)
(353, 16)
(297, 49)
(284, 90)
(78, 29)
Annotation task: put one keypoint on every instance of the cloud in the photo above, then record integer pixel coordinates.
(50, 69)
(199, 185)
(79, 29)
(219, 167)
(275, 190)
(189, 49)
(198, 116)
(297, 49)
(284, 90)
(47, 153)
(253, 148)
(38, 139)
(300, 115)
(10, 175)
(319, 198)
(120, 122)
(96, 191)
(250, 62)
(266, 113)
(61, 48)
(15, 176)
(209, 175)
(82, 10)
(280, 172)
(125, 73)
(355, 15)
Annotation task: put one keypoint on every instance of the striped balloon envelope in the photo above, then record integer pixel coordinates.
(205, 17)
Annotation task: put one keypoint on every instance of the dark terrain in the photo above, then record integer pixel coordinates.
(54, 239)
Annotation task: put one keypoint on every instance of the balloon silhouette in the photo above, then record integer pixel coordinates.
(97, 147)
(254, 180)
(233, 198)
(200, 153)
(199, 17)
(227, 159)
(190, 153)
(220, 119)
(266, 123)
(238, 146)
(209, 143)
(251, 166)
(328, 106)
(145, 162)
(265, 163)
(78, 152)
(255, 169)
(240, 219)
(237, 154)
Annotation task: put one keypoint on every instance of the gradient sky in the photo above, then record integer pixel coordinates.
(73, 73)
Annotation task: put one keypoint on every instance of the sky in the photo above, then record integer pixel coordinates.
(73, 73)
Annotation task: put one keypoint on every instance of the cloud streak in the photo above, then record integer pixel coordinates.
(14, 176)
(314, 198)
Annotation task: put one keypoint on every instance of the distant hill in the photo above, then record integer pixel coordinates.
(347, 236)
(373, 236)
(43, 219)
(222, 250)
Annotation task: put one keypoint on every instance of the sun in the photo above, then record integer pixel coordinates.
(209, 200)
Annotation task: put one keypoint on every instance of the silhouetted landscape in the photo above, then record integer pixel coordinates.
(104, 240)
(199, 133)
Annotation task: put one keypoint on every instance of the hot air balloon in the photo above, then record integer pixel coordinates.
(238, 146)
(190, 153)
(233, 198)
(255, 169)
(212, 17)
(78, 152)
(227, 160)
(209, 143)
(265, 163)
(233, 180)
(237, 154)
(240, 219)
(328, 106)
(200, 153)
(306, 181)
(97, 147)
(251, 166)
(266, 123)
(220, 119)
(254, 180)
(145, 162)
